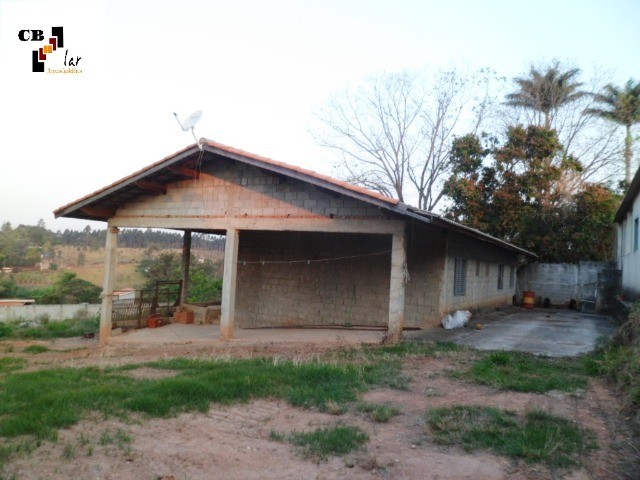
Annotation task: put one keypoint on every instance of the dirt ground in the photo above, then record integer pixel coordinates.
(234, 442)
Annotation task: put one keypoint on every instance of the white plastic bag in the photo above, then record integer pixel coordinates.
(458, 320)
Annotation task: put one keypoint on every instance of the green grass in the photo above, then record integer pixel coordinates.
(71, 327)
(324, 442)
(41, 402)
(10, 364)
(409, 348)
(523, 372)
(379, 412)
(35, 349)
(539, 437)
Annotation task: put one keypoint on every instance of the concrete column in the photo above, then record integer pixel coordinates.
(186, 259)
(397, 287)
(107, 284)
(228, 306)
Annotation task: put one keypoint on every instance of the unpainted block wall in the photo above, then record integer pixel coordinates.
(226, 189)
(483, 260)
(354, 290)
(426, 262)
(562, 282)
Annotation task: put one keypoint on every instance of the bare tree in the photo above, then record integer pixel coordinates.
(393, 134)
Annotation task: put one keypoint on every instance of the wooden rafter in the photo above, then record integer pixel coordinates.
(185, 171)
(99, 212)
(152, 187)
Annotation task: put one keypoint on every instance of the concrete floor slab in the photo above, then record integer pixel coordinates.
(554, 333)
(181, 333)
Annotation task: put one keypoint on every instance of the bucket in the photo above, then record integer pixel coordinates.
(528, 299)
(154, 320)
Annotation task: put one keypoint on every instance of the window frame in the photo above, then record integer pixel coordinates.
(460, 277)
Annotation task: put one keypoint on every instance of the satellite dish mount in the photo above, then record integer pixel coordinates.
(189, 123)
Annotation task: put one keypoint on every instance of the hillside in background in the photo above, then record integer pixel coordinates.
(34, 257)
(28, 246)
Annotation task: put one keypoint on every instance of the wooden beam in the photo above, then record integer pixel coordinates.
(152, 186)
(184, 171)
(100, 212)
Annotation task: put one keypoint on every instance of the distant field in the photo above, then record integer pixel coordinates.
(93, 268)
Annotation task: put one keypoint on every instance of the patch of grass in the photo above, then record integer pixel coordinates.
(41, 402)
(539, 437)
(523, 372)
(409, 348)
(106, 438)
(69, 451)
(621, 363)
(380, 412)
(72, 327)
(35, 349)
(324, 442)
(10, 364)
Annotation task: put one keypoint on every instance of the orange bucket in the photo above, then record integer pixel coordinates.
(528, 299)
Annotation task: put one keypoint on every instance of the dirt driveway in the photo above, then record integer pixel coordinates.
(550, 332)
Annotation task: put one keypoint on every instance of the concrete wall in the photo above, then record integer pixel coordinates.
(53, 312)
(628, 256)
(354, 290)
(562, 282)
(483, 260)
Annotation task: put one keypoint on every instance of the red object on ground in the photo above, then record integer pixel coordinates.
(528, 299)
(154, 320)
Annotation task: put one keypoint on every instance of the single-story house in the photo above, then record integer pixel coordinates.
(305, 249)
(627, 244)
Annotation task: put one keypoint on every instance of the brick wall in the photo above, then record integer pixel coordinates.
(227, 189)
(352, 290)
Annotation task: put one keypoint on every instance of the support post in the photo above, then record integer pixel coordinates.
(228, 306)
(396, 288)
(107, 285)
(186, 259)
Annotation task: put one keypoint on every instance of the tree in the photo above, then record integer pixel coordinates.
(514, 192)
(205, 283)
(69, 289)
(621, 106)
(393, 134)
(553, 96)
(545, 92)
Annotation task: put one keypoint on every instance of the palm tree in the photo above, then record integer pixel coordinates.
(545, 92)
(621, 106)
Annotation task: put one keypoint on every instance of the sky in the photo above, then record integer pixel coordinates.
(258, 70)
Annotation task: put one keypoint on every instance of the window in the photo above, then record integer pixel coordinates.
(512, 276)
(635, 235)
(500, 277)
(460, 277)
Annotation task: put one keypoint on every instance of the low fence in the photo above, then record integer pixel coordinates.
(50, 312)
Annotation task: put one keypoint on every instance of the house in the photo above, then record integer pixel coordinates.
(627, 245)
(303, 248)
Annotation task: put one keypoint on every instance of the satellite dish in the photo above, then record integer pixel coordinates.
(190, 122)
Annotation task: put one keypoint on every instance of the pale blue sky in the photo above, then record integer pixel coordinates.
(257, 69)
